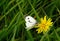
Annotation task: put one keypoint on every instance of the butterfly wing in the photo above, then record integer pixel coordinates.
(30, 22)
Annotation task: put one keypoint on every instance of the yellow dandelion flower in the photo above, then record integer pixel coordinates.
(45, 24)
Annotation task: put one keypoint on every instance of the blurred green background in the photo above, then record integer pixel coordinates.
(12, 23)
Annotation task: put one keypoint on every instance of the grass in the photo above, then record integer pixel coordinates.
(12, 23)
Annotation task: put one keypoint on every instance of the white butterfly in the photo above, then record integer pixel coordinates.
(30, 22)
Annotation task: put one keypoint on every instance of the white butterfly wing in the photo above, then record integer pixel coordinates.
(30, 22)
